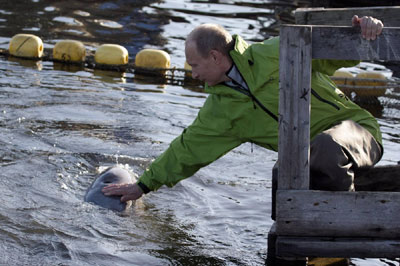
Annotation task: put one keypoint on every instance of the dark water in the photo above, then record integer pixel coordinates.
(60, 128)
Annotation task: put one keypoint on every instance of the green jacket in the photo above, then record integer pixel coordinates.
(229, 118)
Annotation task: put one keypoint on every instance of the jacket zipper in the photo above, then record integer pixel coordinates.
(324, 100)
(255, 101)
(262, 107)
(247, 92)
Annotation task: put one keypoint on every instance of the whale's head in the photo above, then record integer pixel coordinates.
(112, 175)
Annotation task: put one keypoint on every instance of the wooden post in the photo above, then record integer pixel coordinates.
(294, 107)
(294, 117)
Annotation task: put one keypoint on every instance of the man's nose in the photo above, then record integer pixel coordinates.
(195, 75)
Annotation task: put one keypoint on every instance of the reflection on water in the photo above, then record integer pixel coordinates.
(26, 62)
(61, 124)
(110, 76)
(67, 67)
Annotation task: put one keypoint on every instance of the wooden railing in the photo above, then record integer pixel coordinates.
(324, 223)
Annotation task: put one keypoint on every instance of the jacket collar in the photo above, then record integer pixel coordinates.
(240, 44)
(242, 60)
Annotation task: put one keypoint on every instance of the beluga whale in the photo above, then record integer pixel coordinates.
(112, 175)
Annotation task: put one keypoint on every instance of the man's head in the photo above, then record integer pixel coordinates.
(207, 52)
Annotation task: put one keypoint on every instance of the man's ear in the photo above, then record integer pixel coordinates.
(216, 56)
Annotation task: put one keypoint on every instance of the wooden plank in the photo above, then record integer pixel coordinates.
(347, 43)
(337, 247)
(342, 16)
(338, 214)
(294, 107)
(378, 178)
(273, 260)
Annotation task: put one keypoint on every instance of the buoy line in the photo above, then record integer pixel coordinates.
(389, 83)
(364, 84)
(154, 64)
(173, 76)
(148, 63)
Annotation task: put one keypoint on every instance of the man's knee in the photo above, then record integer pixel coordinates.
(324, 151)
(329, 165)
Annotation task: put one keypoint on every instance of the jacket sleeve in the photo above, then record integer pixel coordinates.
(201, 143)
(330, 66)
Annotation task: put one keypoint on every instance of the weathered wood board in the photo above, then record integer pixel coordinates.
(346, 43)
(342, 16)
(294, 108)
(338, 214)
(379, 178)
(337, 247)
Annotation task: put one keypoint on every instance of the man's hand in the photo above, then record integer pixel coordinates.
(370, 27)
(127, 191)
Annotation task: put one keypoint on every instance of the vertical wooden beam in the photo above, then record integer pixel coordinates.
(294, 107)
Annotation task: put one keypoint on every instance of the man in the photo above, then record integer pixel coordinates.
(243, 83)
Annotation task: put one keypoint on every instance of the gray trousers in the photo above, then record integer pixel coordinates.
(338, 153)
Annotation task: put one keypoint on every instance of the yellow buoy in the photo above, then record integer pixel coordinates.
(152, 58)
(376, 80)
(69, 51)
(111, 54)
(188, 68)
(345, 79)
(26, 45)
(343, 75)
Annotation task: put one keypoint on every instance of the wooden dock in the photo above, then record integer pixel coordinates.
(324, 223)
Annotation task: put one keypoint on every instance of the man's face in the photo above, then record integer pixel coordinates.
(205, 69)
